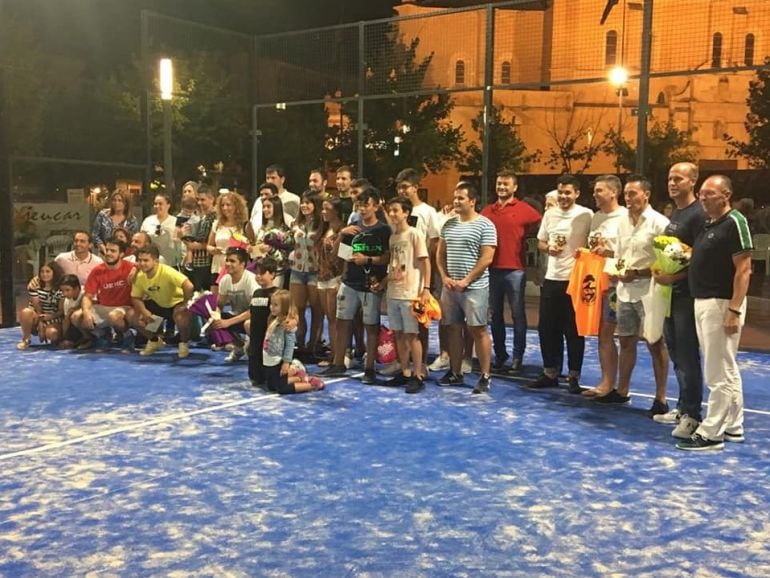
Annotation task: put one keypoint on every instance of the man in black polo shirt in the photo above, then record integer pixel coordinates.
(361, 287)
(719, 274)
(686, 223)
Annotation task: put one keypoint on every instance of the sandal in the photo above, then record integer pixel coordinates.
(23, 344)
(594, 392)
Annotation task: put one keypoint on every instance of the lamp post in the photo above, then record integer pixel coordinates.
(166, 90)
(618, 78)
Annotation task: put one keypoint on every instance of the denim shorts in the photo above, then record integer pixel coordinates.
(400, 316)
(304, 277)
(630, 319)
(349, 300)
(469, 307)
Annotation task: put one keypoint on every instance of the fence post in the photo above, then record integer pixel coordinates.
(644, 88)
(8, 303)
(361, 88)
(489, 71)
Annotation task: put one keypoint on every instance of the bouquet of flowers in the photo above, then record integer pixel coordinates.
(279, 239)
(205, 305)
(671, 256)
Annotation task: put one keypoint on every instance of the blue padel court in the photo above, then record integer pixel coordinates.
(117, 465)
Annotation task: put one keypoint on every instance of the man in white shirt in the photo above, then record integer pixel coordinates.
(636, 257)
(275, 174)
(80, 261)
(563, 230)
(603, 240)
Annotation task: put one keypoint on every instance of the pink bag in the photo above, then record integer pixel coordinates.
(386, 346)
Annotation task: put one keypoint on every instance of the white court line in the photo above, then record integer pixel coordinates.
(141, 425)
(647, 395)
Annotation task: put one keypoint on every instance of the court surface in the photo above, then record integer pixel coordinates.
(125, 466)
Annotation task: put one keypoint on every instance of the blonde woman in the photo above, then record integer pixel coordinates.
(232, 219)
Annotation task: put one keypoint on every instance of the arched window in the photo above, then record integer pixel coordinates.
(611, 48)
(716, 50)
(505, 76)
(661, 98)
(460, 72)
(748, 50)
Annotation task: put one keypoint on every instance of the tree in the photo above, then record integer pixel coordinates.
(506, 149)
(665, 146)
(576, 142)
(401, 131)
(757, 148)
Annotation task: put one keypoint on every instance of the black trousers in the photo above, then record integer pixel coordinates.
(557, 323)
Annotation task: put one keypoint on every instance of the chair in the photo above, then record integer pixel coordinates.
(56, 244)
(761, 252)
(30, 254)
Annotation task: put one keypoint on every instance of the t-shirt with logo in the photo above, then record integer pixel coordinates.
(372, 242)
(586, 284)
(110, 287)
(567, 230)
(404, 273)
(238, 295)
(165, 287)
(259, 311)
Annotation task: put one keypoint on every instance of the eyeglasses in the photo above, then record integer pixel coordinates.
(158, 230)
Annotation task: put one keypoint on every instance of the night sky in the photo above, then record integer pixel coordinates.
(106, 31)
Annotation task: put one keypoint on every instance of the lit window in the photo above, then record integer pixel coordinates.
(611, 48)
(460, 72)
(716, 50)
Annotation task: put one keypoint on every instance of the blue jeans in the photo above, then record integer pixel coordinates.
(510, 284)
(682, 342)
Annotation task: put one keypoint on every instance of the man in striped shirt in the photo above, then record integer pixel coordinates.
(719, 272)
(465, 251)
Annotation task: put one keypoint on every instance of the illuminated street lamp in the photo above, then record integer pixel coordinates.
(618, 78)
(166, 93)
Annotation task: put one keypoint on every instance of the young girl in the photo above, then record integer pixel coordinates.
(304, 271)
(330, 264)
(43, 315)
(278, 347)
(274, 239)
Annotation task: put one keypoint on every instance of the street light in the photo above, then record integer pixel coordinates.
(166, 93)
(618, 78)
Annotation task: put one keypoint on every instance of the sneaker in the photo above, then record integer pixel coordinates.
(482, 385)
(183, 349)
(152, 346)
(450, 378)
(573, 385)
(415, 384)
(669, 418)
(658, 408)
(234, 355)
(369, 377)
(736, 438)
(348, 361)
(392, 368)
(467, 366)
(516, 364)
(441, 363)
(543, 382)
(613, 398)
(499, 364)
(398, 381)
(127, 342)
(697, 443)
(333, 371)
(685, 428)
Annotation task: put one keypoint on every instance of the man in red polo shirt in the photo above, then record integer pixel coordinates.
(507, 274)
(107, 299)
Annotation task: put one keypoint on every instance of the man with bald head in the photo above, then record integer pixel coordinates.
(718, 277)
(686, 222)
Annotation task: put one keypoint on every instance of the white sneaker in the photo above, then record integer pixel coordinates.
(392, 368)
(234, 355)
(685, 428)
(467, 366)
(441, 363)
(669, 418)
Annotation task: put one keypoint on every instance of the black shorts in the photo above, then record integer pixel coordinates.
(155, 309)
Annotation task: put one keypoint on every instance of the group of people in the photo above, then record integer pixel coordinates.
(341, 252)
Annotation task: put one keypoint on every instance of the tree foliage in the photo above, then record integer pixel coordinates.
(576, 141)
(506, 149)
(757, 148)
(401, 131)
